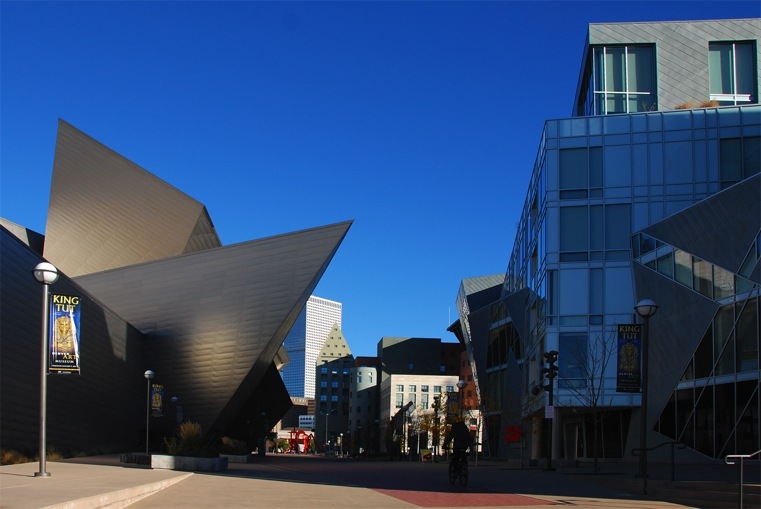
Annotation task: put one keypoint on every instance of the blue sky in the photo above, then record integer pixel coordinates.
(418, 120)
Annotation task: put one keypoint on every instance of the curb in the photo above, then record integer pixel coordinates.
(121, 498)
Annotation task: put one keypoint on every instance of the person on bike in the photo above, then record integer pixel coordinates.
(460, 435)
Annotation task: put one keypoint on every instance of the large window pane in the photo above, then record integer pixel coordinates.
(574, 234)
(617, 226)
(745, 69)
(730, 160)
(573, 360)
(640, 69)
(573, 168)
(720, 69)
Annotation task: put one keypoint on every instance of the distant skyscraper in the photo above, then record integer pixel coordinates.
(304, 343)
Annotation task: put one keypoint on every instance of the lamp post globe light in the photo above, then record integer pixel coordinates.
(148, 375)
(47, 274)
(645, 308)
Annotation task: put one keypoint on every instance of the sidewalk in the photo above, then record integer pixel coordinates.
(298, 481)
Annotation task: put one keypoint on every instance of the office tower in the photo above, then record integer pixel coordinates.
(304, 343)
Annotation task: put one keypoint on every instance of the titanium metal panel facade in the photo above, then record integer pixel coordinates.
(215, 319)
(158, 292)
(106, 212)
(99, 410)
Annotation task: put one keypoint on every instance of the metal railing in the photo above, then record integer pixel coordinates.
(673, 443)
(731, 460)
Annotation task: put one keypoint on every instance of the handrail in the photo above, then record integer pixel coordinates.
(742, 458)
(672, 443)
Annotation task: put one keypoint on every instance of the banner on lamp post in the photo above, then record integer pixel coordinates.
(157, 400)
(63, 346)
(628, 375)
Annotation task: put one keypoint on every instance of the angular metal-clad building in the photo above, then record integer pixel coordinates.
(159, 292)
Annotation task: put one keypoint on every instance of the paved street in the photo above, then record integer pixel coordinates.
(297, 481)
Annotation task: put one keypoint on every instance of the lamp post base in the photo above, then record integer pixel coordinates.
(42, 474)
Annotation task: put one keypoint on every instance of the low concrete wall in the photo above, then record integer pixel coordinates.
(188, 463)
(237, 458)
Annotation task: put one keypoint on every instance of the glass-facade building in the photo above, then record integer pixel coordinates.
(304, 342)
(651, 190)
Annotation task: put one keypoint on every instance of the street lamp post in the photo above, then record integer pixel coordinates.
(436, 400)
(645, 308)
(460, 386)
(341, 444)
(148, 376)
(47, 274)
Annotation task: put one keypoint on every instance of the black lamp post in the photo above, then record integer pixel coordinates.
(645, 308)
(436, 400)
(47, 274)
(148, 376)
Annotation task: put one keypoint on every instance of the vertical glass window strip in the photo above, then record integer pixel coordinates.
(641, 79)
(617, 226)
(723, 348)
(683, 267)
(615, 80)
(596, 228)
(747, 336)
(730, 161)
(723, 283)
(595, 166)
(702, 281)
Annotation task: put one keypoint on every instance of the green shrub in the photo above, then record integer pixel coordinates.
(233, 446)
(189, 442)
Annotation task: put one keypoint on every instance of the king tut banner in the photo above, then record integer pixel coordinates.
(64, 334)
(157, 400)
(629, 353)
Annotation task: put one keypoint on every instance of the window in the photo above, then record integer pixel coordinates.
(437, 389)
(412, 398)
(400, 388)
(424, 401)
(732, 71)
(595, 228)
(399, 400)
(359, 377)
(450, 388)
(334, 384)
(413, 388)
(324, 370)
(324, 384)
(423, 388)
(573, 362)
(619, 79)
(580, 169)
(739, 158)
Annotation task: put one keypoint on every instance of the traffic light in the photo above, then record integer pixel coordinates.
(551, 371)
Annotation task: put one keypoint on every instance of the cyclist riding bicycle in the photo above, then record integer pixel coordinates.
(460, 435)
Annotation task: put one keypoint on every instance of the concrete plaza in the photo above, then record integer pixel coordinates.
(298, 481)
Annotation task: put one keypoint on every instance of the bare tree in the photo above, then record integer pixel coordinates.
(587, 362)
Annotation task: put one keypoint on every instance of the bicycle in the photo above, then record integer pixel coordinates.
(458, 467)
